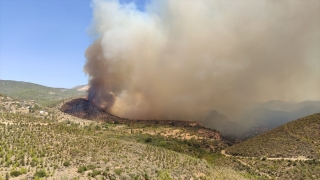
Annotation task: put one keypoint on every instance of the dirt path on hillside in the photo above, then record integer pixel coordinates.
(245, 164)
(223, 152)
(300, 158)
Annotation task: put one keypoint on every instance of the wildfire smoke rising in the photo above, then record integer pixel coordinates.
(180, 57)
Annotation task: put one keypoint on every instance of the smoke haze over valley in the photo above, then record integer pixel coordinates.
(180, 58)
(160, 89)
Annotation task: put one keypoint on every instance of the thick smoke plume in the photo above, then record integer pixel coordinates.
(178, 58)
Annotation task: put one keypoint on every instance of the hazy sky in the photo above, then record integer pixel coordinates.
(44, 41)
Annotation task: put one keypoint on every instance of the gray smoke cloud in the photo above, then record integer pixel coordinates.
(181, 57)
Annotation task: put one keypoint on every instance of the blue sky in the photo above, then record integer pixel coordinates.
(44, 41)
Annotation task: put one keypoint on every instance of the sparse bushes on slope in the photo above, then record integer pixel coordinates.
(297, 138)
(46, 146)
(42, 94)
(286, 169)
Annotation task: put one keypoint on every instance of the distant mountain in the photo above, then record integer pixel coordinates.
(266, 117)
(297, 138)
(286, 106)
(275, 118)
(39, 93)
(275, 113)
(81, 88)
(213, 119)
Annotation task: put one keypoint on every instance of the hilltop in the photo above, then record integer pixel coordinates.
(299, 138)
(83, 108)
(183, 130)
(220, 122)
(39, 93)
(81, 88)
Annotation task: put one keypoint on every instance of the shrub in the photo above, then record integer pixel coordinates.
(97, 128)
(82, 169)
(66, 163)
(23, 171)
(164, 175)
(40, 174)
(118, 171)
(15, 173)
(148, 140)
(146, 177)
(105, 126)
(33, 163)
(94, 173)
(91, 167)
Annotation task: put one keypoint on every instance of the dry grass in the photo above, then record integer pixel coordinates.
(31, 146)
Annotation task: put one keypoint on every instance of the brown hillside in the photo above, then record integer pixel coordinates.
(299, 138)
(83, 108)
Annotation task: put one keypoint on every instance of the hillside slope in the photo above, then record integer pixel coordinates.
(34, 148)
(84, 109)
(215, 120)
(297, 138)
(183, 130)
(31, 91)
(81, 88)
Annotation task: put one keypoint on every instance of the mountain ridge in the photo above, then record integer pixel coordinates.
(300, 137)
(32, 91)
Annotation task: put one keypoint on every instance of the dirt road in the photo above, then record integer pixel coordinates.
(300, 158)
